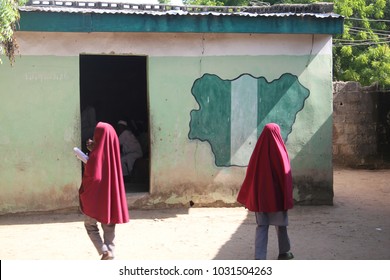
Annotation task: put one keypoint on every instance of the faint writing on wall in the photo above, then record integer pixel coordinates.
(46, 76)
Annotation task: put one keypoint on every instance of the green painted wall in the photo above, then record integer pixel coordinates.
(181, 166)
(39, 126)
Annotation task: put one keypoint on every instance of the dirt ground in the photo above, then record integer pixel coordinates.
(357, 227)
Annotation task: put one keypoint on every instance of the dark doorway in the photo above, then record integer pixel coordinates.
(115, 87)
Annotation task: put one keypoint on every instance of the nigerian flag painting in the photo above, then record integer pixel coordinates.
(232, 113)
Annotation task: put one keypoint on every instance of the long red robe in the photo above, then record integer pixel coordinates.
(102, 193)
(267, 186)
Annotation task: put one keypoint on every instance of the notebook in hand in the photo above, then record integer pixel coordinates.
(80, 155)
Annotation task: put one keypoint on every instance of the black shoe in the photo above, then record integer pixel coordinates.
(286, 256)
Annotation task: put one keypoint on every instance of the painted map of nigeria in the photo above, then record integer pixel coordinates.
(232, 113)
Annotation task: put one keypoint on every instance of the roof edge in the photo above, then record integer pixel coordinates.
(93, 6)
(277, 19)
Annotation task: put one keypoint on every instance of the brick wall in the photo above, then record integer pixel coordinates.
(361, 126)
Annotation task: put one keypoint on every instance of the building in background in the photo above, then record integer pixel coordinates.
(197, 85)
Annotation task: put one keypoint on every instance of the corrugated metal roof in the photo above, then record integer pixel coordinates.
(98, 16)
(319, 10)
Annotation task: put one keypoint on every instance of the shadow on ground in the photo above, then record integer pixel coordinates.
(74, 215)
(356, 227)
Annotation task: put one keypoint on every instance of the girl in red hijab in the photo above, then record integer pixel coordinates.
(267, 190)
(102, 192)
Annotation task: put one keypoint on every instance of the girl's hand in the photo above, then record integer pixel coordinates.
(90, 145)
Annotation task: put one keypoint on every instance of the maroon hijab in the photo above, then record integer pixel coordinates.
(102, 193)
(267, 186)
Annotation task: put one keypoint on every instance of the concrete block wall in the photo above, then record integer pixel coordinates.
(358, 126)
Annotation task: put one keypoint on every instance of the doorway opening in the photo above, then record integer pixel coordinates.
(114, 88)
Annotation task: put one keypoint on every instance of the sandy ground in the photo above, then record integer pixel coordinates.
(357, 227)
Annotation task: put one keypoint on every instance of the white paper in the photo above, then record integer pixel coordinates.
(80, 155)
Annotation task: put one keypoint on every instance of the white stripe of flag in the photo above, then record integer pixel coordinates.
(243, 135)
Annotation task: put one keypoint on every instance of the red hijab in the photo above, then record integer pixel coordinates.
(267, 186)
(102, 193)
